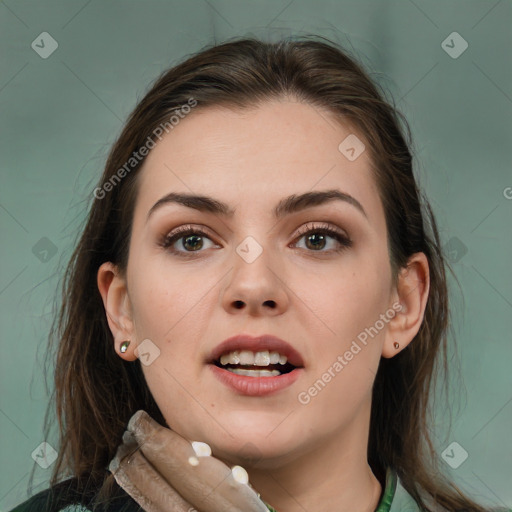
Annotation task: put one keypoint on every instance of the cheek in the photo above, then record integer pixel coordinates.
(173, 308)
(342, 302)
(336, 399)
(164, 299)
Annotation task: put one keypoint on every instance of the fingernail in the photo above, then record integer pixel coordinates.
(201, 449)
(240, 474)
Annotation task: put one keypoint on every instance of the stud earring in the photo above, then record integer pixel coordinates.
(396, 345)
(124, 346)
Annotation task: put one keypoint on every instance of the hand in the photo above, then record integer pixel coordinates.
(164, 472)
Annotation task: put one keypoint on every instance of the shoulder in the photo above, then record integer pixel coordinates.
(397, 499)
(44, 501)
(41, 503)
(73, 496)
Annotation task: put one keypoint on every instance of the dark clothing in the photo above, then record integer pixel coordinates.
(72, 495)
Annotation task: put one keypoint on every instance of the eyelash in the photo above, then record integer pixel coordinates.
(181, 232)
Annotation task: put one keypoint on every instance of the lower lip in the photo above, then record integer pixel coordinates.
(255, 386)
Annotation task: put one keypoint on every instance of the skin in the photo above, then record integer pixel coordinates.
(312, 456)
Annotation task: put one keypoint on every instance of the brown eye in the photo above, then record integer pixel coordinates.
(317, 239)
(191, 240)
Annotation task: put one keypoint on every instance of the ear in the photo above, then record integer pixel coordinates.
(412, 292)
(114, 292)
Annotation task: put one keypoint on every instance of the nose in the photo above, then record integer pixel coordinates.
(255, 287)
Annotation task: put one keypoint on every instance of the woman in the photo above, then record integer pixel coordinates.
(260, 276)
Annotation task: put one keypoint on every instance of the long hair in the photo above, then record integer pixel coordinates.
(96, 392)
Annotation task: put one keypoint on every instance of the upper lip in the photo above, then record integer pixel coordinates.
(257, 344)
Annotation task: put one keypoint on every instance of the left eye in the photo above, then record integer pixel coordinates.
(316, 238)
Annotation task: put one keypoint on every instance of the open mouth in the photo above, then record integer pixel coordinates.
(271, 370)
(254, 364)
(259, 370)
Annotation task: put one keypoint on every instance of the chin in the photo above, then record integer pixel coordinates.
(254, 450)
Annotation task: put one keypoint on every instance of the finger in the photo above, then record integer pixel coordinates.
(142, 482)
(209, 486)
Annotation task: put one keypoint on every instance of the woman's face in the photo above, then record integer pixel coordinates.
(252, 273)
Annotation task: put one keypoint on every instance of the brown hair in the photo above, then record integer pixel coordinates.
(96, 392)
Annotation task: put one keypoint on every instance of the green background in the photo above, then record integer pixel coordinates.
(60, 115)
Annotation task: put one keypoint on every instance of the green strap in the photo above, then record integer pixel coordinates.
(389, 492)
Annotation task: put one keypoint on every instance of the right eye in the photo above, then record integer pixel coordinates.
(190, 238)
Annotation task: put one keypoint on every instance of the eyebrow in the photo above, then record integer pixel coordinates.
(286, 206)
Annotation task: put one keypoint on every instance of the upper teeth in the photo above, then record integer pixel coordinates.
(246, 357)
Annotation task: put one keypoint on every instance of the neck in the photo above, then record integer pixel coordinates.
(331, 476)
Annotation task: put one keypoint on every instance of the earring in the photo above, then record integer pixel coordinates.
(396, 345)
(124, 346)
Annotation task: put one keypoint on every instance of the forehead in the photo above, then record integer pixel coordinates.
(251, 158)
